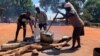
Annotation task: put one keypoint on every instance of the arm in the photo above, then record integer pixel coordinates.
(19, 18)
(30, 23)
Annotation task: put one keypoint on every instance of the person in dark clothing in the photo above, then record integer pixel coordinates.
(22, 21)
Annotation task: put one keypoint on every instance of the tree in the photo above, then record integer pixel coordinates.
(93, 7)
(14, 8)
(55, 4)
(52, 4)
(90, 10)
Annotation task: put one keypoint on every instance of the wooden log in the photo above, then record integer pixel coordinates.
(10, 46)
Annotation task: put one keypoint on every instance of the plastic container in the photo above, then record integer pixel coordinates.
(96, 52)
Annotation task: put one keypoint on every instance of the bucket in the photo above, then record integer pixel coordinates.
(96, 52)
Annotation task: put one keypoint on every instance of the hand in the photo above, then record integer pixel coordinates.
(33, 32)
(34, 26)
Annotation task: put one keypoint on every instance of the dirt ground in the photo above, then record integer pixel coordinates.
(90, 41)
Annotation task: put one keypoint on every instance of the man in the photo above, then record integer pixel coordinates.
(76, 22)
(41, 18)
(22, 20)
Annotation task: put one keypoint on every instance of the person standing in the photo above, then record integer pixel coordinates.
(76, 22)
(22, 22)
(41, 19)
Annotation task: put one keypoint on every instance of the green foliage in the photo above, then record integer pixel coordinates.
(14, 8)
(87, 16)
(52, 4)
(93, 7)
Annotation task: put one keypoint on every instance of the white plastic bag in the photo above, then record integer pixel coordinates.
(37, 34)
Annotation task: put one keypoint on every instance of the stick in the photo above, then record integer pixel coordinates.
(52, 22)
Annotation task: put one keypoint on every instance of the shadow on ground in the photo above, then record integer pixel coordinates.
(58, 52)
(27, 39)
(50, 51)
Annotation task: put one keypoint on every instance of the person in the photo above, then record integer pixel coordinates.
(76, 22)
(41, 18)
(35, 48)
(22, 21)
